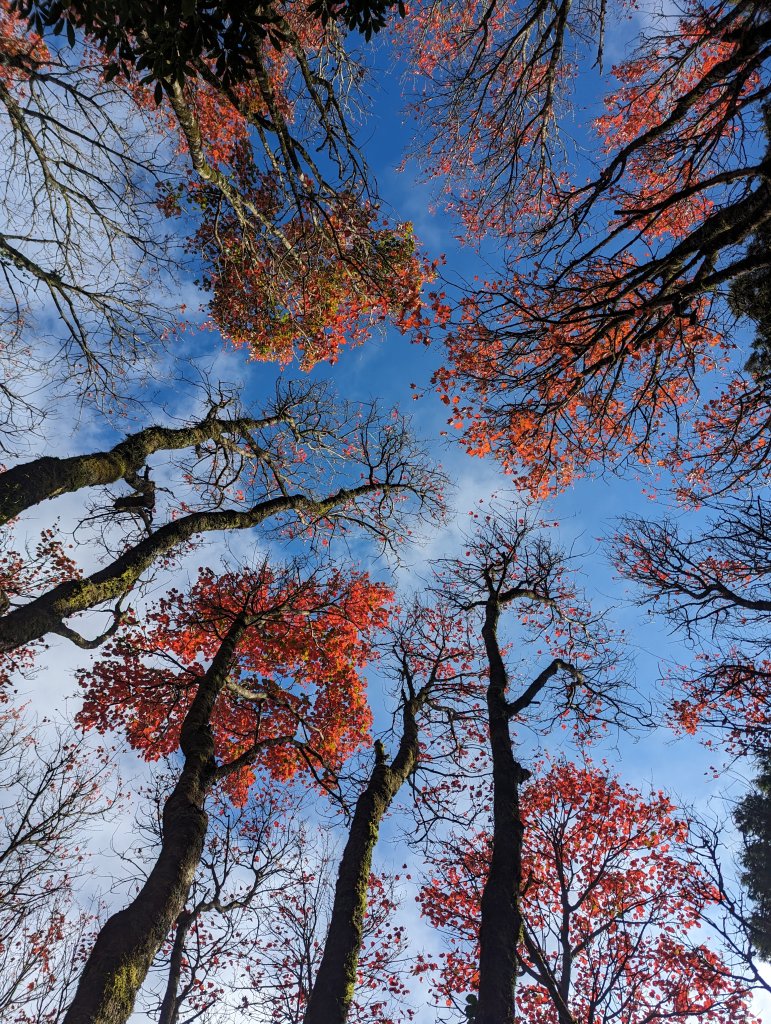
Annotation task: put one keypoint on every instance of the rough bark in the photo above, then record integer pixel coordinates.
(30, 483)
(500, 930)
(332, 993)
(129, 941)
(46, 613)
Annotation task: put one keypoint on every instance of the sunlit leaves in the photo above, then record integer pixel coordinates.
(611, 905)
(295, 688)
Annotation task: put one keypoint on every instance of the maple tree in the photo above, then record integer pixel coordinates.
(713, 585)
(282, 972)
(611, 903)
(282, 693)
(79, 239)
(311, 466)
(259, 728)
(297, 260)
(53, 788)
(597, 342)
(329, 284)
(510, 564)
(428, 656)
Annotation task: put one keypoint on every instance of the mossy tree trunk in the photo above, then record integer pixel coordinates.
(500, 930)
(46, 614)
(30, 483)
(333, 989)
(129, 940)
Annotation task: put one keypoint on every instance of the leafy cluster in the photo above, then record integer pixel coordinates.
(168, 42)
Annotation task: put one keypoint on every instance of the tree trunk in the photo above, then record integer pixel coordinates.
(169, 1012)
(500, 929)
(129, 941)
(45, 614)
(332, 992)
(29, 483)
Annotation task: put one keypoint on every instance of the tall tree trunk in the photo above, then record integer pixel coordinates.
(332, 993)
(129, 941)
(29, 483)
(500, 929)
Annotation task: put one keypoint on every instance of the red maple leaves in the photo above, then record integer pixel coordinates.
(611, 906)
(601, 340)
(333, 279)
(296, 686)
(24, 574)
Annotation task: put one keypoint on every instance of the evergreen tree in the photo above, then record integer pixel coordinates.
(753, 818)
(750, 296)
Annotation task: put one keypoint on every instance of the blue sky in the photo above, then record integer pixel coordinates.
(384, 369)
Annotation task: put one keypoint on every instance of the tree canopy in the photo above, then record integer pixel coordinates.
(375, 734)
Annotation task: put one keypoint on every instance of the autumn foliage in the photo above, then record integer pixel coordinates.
(601, 341)
(619, 251)
(611, 907)
(24, 572)
(297, 265)
(297, 688)
(336, 276)
(20, 48)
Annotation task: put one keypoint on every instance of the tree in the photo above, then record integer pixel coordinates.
(611, 903)
(588, 348)
(753, 819)
(714, 586)
(297, 256)
(750, 296)
(428, 657)
(311, 264)
(223, 438)
(170, 42)
(79, 240)
(54, 789)
(251, 855)
(710, 584)
(282, 694)
(282, 971)
(323, 954)
(308, 465)
(306, 648)
(510, 564)
(596, 343)
(292, 246)
(22, 570)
